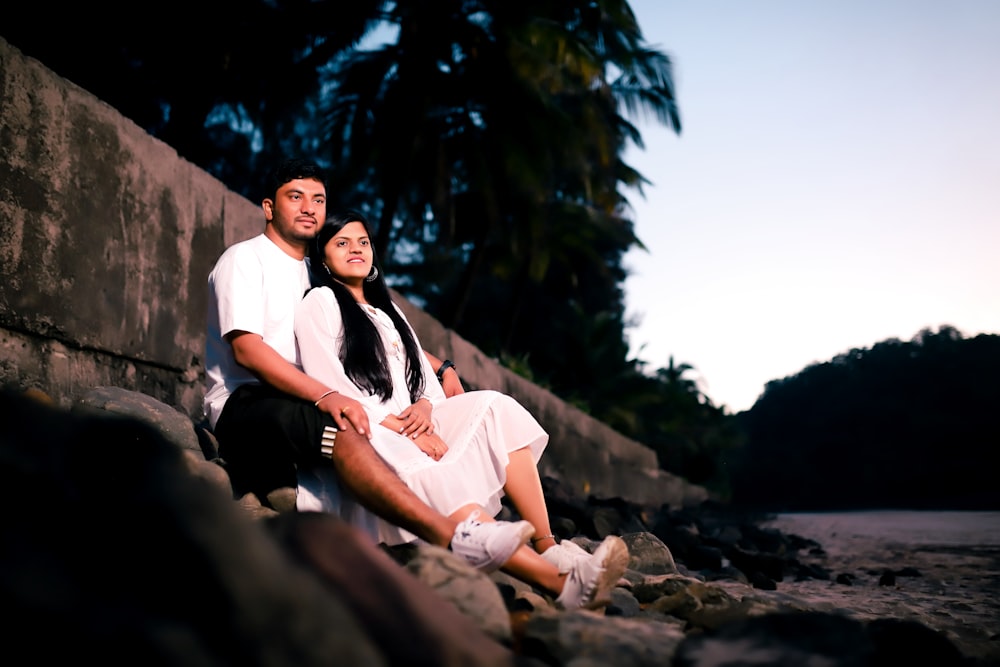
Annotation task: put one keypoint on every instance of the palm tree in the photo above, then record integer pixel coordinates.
(491, 136)
(485, 137)
(673, 378)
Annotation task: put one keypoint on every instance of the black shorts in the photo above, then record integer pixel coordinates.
(264, 435)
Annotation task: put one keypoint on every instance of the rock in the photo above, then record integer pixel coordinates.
(623, 603)
(410, 621)
(468, 589)
(172, 423)
(587, 639)
(845, 579)
(777, 639)
(251, 504)
(897, 641)
(121, 556)
(283, 499)
(648, 552)
(813, 638)
(153, 527)
(209, 471)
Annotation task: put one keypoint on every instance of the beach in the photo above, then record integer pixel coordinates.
(945, 569)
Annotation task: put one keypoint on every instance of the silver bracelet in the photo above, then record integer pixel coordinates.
(332, 391)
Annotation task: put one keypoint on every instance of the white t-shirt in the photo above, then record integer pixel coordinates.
(254, 287)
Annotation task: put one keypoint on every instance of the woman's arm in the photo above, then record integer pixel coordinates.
(318, 334)
(450, 382)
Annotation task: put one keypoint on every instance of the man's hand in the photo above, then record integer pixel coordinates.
(347, 413)
(262, 360)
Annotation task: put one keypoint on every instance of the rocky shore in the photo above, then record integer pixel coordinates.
(124, 544)
(941, 569)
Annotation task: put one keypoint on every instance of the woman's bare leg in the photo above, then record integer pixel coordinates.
(524, 488)
(531, 568)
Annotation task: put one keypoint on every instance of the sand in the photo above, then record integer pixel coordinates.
(956, 556)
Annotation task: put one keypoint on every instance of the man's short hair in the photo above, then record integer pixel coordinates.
(294, 168)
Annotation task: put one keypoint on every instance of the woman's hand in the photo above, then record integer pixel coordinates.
(432, 445)
(417, 419)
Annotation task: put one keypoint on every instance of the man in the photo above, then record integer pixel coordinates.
(269, 417)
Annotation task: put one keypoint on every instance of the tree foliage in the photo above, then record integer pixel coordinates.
(485, 137)
(907, 425)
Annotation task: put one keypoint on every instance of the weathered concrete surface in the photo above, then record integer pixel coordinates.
(107, 237)
(585, 454)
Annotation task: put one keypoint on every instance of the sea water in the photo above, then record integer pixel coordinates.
(916, 528)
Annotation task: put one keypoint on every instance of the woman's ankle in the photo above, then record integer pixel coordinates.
(543, 543)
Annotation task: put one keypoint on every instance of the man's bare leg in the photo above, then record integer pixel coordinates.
(483, 544)
(380, 490)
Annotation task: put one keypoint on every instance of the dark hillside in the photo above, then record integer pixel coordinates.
(907, 425)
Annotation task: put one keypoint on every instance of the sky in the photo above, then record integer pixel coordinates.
(836, 183)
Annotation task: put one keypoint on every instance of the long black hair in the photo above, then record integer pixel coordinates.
(362, 353)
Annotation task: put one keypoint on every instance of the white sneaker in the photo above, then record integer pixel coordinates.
(565, 554)
(486, 545)
(590, 580)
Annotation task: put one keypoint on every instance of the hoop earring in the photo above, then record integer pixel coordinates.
(372, 275)
(328, 271)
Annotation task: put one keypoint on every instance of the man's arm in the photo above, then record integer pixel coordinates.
(259, 358)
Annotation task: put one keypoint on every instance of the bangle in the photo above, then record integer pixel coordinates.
(332, 391)
(445, 365)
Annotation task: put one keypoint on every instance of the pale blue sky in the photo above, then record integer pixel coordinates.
(836, 183)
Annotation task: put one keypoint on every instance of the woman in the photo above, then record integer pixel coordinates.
(459, 454)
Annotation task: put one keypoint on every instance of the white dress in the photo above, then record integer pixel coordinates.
(480, 427)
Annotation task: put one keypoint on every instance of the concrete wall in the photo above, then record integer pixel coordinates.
(107, 237)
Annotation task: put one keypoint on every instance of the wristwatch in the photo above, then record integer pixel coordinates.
(445, 365)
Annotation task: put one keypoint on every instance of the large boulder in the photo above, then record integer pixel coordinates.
(115, 553)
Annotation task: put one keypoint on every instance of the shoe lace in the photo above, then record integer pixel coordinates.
(470, 522)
